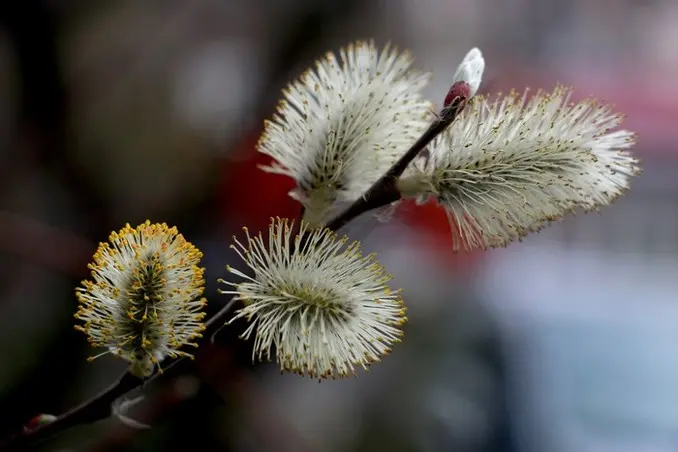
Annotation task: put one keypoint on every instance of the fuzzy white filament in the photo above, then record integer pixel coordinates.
(343, 123)
(323, 306)
(144, 300)
(508, 167)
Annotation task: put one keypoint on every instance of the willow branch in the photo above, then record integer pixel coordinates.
(384, 191)
(99, 407)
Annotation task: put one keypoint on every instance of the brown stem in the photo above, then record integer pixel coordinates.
(99, 406)
(384, 191)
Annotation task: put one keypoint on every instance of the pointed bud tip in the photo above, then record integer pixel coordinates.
(471, 70)
(39, 420)
(473, 54)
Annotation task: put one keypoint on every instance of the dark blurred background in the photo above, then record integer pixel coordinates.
(121, 111)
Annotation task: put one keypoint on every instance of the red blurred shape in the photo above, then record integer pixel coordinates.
(251, 195)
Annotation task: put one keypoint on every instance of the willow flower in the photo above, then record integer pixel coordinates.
(508, 167)
(324, 307)
(342, 124)
(143, 302)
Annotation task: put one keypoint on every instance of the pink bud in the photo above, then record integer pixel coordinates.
(459, 89)
(39, 420)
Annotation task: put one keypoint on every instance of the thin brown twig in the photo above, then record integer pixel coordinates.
(382, 192)
(99, 406)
